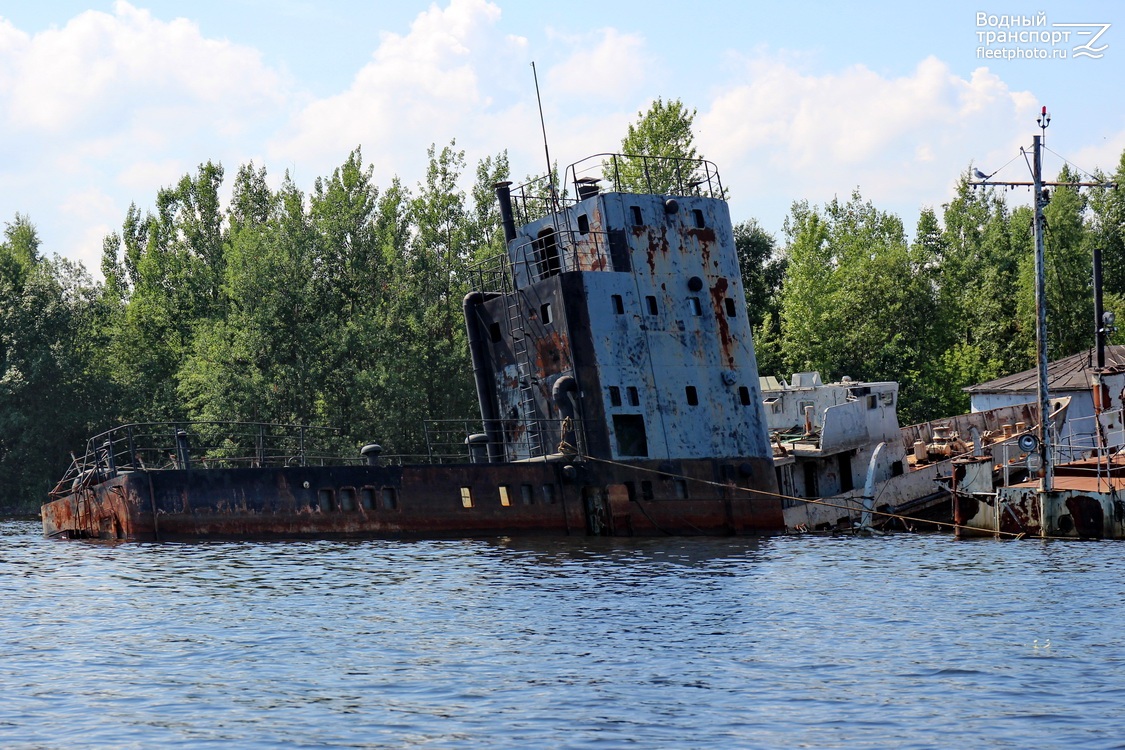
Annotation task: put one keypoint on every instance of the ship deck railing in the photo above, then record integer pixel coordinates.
(640, 173)
(477, 441)
(539, 198)
(1096, 444)
(202, 444)
(497, 273)
(157, 446)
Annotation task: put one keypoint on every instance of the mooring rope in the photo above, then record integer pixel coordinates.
(817, 501)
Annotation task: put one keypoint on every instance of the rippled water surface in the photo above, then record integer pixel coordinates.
(893, 642)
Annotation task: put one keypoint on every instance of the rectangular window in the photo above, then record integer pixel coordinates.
(527, 496)
(505, 497)
(389, 498)
(692, 396)
(847, 482)
(549, 494)
(652, 308)
(618, 305)
(631, 490)
(646, 490)
(744, 396)
(681, 489)
(494, 332)
(466, 497)
(694, 306)
(327, 499)
(347, 498)
(367, 498)
(583, 224)
(731, 310)
(614, 396)
(545, 313)
(629, 430)
(634, 396)
(812, 488)
(638, 219)
(698, 216)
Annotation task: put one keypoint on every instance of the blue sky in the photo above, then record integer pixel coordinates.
(103, 103)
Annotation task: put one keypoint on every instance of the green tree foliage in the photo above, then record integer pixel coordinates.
(972, 265)
(763, 270)
(659, 153)
(53, 384)
(853, 302)
(1106, 225)
(1068, 263)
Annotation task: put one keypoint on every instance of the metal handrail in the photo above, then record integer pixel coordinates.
(660, 175)
(448, 440)
(497, 274)
(173, 445)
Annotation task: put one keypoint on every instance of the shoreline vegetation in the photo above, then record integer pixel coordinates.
(341, 306)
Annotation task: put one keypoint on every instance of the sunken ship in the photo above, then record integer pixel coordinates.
(618, 389)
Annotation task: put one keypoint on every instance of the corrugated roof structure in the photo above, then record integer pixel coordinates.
(1067, 374)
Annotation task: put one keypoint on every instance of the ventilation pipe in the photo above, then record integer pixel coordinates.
(504, 197)
(483, 376)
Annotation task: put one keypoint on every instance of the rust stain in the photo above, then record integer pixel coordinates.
(718, 303)
(551, 353)
(706, 239)
(589, 254)
(1087, 515)
(1020, 513)
(428, 503)
(642, 235)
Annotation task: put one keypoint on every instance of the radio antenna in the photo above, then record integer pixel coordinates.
(546, 151)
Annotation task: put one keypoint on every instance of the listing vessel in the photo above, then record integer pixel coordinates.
(615, 372)
(843, 461)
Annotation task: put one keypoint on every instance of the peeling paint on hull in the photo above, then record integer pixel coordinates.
(551, 498)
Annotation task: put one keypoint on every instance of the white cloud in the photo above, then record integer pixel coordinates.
(113, 106)
(101, 68)
(431, 85)
(604, 65)
(144, 173)
(88, 204)
(1105, 155)
(783, 131)
(110, 107)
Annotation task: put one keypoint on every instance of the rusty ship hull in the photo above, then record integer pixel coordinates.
(550, 498)
(1081, 496)
(1085, 502)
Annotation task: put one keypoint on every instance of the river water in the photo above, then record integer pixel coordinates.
(892, 642)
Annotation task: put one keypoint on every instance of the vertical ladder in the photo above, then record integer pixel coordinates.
(527, 404)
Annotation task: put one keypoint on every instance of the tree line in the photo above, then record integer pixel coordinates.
(342, 306)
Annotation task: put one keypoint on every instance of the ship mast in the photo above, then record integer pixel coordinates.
(1042, 196)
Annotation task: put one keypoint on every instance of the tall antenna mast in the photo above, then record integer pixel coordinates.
(546, 151)
(1040, 197)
